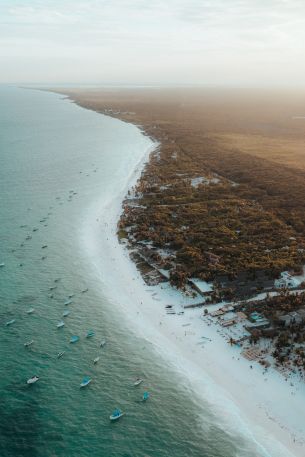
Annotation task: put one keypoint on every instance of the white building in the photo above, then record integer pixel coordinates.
(285, 281)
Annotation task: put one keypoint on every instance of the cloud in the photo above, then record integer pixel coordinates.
(159, 38)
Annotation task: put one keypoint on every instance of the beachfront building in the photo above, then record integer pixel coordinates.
(263, 323)
(257, 321)
(285, 281)
(203, 288)
(294, 317)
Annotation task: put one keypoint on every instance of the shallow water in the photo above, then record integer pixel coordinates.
(55, 159)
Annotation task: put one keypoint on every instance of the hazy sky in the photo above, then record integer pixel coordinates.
(250, 42)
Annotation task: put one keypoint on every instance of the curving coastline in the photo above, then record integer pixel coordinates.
(242, 399)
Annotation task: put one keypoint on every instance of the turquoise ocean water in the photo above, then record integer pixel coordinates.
(55, 159)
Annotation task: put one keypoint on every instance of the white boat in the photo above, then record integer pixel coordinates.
(32, 380)
(10, 322)
(102, 343)
(85, 382)
(117, 413)
(28, 343)
(30, 311)
(68, 302)
(60, 354)
(96, 360)
(60, 324)
(66, 313)
(84, 290)
(137, 382)
(2, 265)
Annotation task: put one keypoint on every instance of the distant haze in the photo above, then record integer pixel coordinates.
(218, 42)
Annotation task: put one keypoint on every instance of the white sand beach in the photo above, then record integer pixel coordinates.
(261, 405)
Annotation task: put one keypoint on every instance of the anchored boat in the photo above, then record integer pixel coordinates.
(74, 339)
(10, 322)
(32, 380)
(85, 382)
(28, 343)
(117, 413)
(146, 396)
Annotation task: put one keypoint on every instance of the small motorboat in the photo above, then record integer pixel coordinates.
(146, 396)
(10, 322)
(117, 413)
(28, 343)
(60, 324)
(90, 334)
(28, 237)
(137, 382)
(68, 302)
(44, 246)
(30, 311)
(74, 339)
(52, 287)
(66, 313)
(32, 380)
(35, 229)
(57, 280)
(85, 382)
(60, 354)
(84, 290)
(96, 360)
(102, 343)
(2, 265)
(71, 295)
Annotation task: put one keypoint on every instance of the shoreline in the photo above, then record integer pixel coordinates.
(144, 305)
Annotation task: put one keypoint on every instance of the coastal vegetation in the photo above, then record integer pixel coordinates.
(208, 204)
